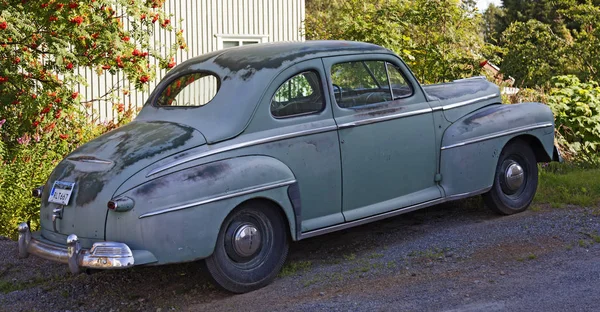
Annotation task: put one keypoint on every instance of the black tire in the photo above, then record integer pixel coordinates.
(504, 197)
(239, 269)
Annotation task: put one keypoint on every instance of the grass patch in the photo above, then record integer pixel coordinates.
(568, 184)
(10, 286)
(376, 255)
(432, 253)
(294, 268)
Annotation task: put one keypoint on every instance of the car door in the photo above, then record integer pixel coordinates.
(297, 106)
(386, 135)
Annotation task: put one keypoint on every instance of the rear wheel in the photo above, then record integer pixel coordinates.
(251, 248)
(515, 181)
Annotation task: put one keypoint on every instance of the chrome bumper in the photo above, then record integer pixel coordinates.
(102, 255)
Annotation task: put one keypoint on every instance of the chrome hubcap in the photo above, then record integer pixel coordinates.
(514, 176)
(246, 240)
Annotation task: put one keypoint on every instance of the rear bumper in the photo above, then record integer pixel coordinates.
(102, 255)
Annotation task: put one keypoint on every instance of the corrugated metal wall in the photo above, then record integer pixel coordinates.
(203, 22)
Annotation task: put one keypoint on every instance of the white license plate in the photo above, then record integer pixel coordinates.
(61, 192)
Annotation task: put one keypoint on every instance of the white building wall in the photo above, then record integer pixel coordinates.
(206, 24)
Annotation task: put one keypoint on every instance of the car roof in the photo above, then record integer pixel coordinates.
(244, 73)
(272, 55)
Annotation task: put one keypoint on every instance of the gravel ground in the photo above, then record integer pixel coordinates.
(452, 257)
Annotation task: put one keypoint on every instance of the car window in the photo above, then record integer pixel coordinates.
(400, 88)
(190, 90)
(299, 95)
(362, 83)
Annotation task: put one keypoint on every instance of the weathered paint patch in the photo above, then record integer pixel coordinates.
(456, 89)
(209, 171)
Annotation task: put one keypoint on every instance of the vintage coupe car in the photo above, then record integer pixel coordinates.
(240, 151)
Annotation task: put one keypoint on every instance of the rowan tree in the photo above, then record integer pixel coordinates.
(44, 43)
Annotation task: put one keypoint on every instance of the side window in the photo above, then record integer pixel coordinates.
(190, 90)
(362, 83)
(299, 95)
(400, 88)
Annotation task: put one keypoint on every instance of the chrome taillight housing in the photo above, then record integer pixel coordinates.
(120, 204)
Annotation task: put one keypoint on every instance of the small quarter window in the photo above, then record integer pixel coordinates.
(299, 95)
(400, 87)
(190, 90)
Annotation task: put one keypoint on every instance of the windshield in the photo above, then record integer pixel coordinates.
(195, 89)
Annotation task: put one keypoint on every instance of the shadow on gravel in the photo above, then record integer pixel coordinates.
(177, 286)
(373, 236)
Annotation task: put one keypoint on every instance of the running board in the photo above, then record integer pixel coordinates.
(389, 214)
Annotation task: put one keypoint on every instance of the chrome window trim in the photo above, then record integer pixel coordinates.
(383, 118)
(240, 145)
(246, 191)
(467, 102)
(498, 134)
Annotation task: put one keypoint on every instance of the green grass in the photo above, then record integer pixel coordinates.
(568, 184)
(294, 268)
(10, 286)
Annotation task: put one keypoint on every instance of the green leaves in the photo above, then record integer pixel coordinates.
(440, 39)
(576, 108)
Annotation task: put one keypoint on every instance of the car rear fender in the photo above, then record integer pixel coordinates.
(471, 146)
(177, 216)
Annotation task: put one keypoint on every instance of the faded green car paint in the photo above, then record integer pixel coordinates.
(100, 166)
(187, 169)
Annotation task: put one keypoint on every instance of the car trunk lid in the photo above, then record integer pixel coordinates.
(100, 166)
(460, 97)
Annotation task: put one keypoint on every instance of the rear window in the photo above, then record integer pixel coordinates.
(190, 90)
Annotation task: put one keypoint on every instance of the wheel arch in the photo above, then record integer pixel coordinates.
(541, 155)
(289, 221)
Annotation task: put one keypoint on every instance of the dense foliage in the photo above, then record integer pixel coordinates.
(576, 108)
(42, 46)
(541, 39)
(439, 39)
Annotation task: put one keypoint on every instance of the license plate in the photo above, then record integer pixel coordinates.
(61, 192)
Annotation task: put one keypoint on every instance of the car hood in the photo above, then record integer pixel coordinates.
(100, 166)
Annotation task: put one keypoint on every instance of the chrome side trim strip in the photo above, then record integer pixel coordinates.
(240, 145)
(91, 160)
(208, 200)
(370, 219)
(467, 102)
(389, 214)
(468, 194)
(498, 134)
(383, 118)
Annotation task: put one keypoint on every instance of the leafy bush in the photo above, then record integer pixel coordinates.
(576, 108)
(32, 160)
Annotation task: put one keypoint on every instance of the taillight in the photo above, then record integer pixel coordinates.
(120, 204)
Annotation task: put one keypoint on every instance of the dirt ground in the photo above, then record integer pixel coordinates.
(452, 257)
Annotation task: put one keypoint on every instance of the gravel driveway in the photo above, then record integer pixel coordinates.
(452, 257)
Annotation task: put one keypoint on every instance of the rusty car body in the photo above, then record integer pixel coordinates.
(239, 151)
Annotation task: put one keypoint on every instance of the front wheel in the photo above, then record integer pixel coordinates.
(251, 248)
(515, 181)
